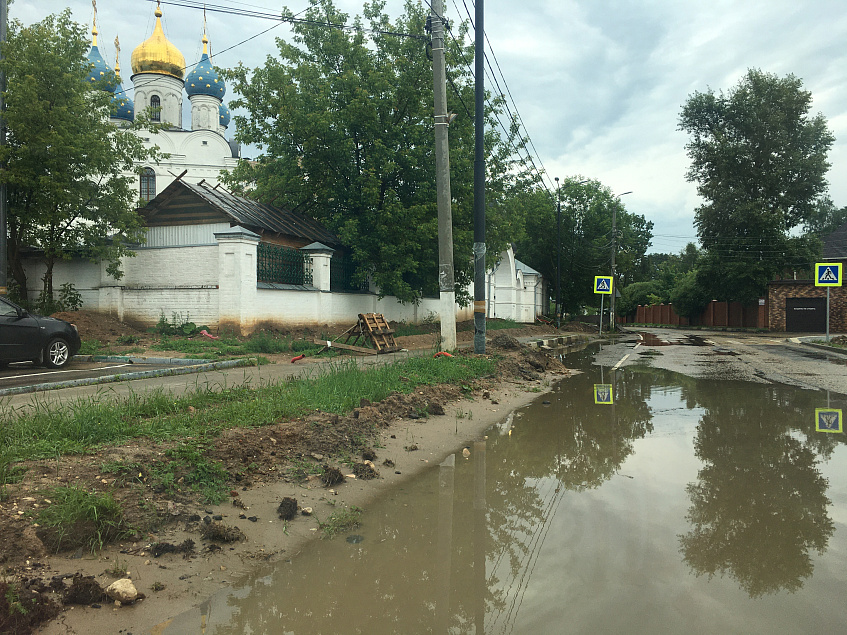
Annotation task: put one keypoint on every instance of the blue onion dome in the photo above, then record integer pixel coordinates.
(225, 116)
(122, 106)
(100, 71)
(204, 79)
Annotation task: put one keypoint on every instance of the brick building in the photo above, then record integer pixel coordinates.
(800, 306)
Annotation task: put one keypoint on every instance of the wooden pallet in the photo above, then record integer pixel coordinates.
(374, 326)
(371, 328)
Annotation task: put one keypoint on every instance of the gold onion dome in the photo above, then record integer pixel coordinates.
(157, 54)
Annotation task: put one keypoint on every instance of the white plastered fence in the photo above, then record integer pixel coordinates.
(214, 283)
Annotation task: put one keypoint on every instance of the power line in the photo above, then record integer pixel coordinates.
(195, 4)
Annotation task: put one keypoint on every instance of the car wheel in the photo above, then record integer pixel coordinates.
(57, 353)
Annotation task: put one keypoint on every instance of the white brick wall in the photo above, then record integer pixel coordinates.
(214, 282)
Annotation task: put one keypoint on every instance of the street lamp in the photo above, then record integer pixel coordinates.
(614, 251)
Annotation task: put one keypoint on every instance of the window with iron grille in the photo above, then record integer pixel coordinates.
(341, 274)
(147, 183)
(282, 265)
(155, 108)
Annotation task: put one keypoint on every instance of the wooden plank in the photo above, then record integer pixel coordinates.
(346, 347)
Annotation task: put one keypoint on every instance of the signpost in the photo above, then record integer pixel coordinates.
(828, 274)
(603, 286)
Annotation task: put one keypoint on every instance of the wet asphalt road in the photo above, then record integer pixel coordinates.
(757, 357)
(26, 374)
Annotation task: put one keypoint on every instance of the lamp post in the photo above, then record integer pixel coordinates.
(614, 252)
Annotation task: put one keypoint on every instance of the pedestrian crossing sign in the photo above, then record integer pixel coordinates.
(827, 274)
(603, 284)
(603, 393)
(828, 420)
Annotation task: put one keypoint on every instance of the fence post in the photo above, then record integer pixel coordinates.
(321, 256)
(237, 279)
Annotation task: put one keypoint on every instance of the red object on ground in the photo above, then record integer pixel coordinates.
(294, 359)
(440, 353)
(209, 335)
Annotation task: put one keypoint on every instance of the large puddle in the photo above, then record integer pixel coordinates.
(635, 501)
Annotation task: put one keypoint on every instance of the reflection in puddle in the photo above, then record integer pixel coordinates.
(683, 505)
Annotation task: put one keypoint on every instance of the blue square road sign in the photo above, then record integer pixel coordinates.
(828, 274)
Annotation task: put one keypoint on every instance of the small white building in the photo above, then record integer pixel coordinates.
(515, 291)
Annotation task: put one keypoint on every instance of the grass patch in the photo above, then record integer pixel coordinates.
(51, 429)
(259, 343)
(499, 323)
(185, 466)
(78, 518)
(340, 521)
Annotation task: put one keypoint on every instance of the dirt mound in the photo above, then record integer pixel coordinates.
(579, 327)
(504, 342)
(100, 326)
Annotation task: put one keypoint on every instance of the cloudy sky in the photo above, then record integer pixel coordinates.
(598, 83)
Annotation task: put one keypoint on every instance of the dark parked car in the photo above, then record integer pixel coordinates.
(28, 337)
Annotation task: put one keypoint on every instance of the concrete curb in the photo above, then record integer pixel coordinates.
(821, 347)
(172, 361)
(144, 374)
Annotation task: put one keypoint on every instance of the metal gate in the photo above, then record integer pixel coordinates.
(805, 315)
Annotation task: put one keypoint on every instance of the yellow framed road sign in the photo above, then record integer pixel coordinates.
(828, 420)
(828, 274)
(603, 284)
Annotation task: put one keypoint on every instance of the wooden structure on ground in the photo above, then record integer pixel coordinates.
(371, 328)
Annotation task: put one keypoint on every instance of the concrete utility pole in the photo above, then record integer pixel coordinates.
(558, 249)
(446, 279)
(479, 183)
(4, 290)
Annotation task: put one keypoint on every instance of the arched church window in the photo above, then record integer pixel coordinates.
(155, 108)
(148, 184)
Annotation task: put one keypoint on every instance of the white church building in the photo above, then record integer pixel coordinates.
(160, 82)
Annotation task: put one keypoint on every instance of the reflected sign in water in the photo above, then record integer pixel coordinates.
(691, 506)
(828, 420)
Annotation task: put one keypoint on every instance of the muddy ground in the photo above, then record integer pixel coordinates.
(115, 335)
(172, 555)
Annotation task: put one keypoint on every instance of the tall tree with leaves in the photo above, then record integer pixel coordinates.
(586, 238)
(345, 124)
(825, 218)
(63, 161)
(759, 159)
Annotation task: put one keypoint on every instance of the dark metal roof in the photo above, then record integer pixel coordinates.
(245, 212)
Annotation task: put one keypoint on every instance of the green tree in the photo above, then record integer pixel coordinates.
(586, 238)
(689, 296)
(637, 293)
(63, 160)
(759, 160)
(344, 121)
(825, 218)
